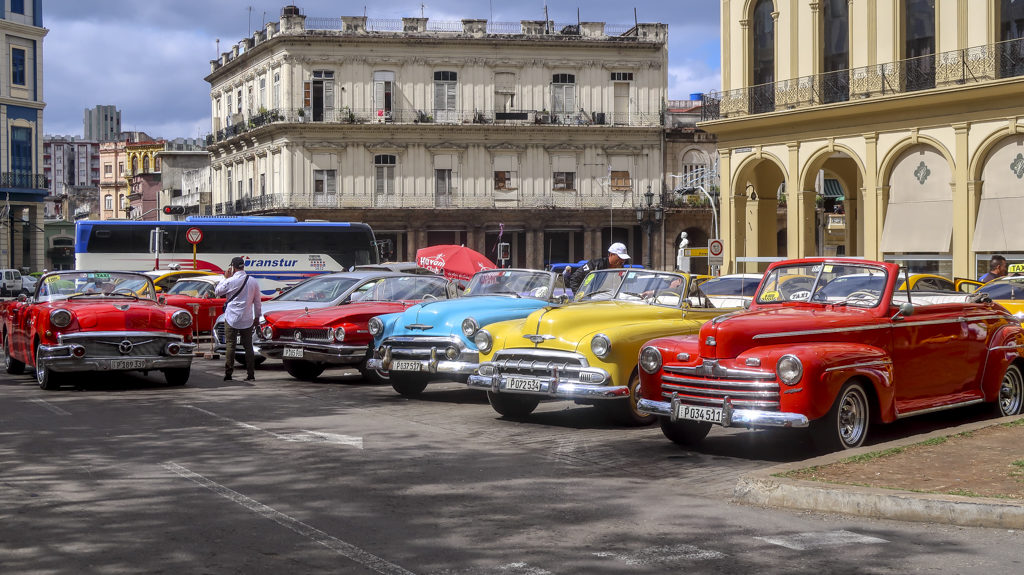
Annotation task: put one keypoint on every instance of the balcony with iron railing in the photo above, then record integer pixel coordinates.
(943, 70)
(349, 116)
(24, 181)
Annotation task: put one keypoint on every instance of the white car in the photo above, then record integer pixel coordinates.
(28, 284)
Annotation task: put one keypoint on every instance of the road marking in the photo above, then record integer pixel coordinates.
(305, 436)
(517, 568)
(47, 405)
(807, 541)
(348, 550)
(664, 554)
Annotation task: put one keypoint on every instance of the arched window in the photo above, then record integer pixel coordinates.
(836, 44)
(1011, 35)
(145, 165)
(135, 165)
(108, 202)
(919, 34)
(762, 92)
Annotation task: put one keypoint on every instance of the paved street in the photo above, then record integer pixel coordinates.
(130, 476)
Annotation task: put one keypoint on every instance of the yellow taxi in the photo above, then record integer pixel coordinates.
(1008, 291)
(164, 279)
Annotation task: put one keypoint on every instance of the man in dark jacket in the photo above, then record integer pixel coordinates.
(997, 268)
(617, 255)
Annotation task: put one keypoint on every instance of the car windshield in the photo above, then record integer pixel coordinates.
(515, 283)
(832, 283)
(1004, 290)
(194, 288)
(410, 287)
(731, 286)
(74, 284)
(663, 288)
(324, 288)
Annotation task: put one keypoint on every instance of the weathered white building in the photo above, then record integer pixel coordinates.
(544, 135)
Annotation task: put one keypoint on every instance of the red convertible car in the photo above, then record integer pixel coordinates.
(310, 340)
(83, 321)
(848, 351)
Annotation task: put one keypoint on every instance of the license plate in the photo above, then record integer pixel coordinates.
(293, 352)
(693, 413)
(522, 384)
(127, 364)
(405, 365)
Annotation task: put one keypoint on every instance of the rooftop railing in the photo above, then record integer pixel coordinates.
(946, 69)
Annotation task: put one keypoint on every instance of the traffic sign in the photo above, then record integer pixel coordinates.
(695, 252)
(194, 235)
(715, 251)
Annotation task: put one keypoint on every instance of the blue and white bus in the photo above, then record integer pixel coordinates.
(277, 250)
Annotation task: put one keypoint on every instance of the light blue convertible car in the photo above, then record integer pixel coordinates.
(434, 340)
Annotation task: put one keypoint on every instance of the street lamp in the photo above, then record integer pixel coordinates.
(649, 216)
(692, 187)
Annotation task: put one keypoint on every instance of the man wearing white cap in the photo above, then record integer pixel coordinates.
(617, 255)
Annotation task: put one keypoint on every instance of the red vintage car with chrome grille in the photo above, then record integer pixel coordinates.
(91, 321)
(848, 351)
(310, 340)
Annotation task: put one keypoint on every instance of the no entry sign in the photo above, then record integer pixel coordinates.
(194, 235)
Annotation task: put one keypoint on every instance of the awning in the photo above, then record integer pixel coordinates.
(832, 189)
(918, 227)
(998, 226)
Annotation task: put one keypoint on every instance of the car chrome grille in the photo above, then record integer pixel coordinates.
(710, 385)
(110, 345)
(310, 335)
(419, 347)
(545, 362)
(218, 332)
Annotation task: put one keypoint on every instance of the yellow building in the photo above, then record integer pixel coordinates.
(915, 108)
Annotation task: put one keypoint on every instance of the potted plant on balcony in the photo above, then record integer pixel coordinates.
(302, 114)
(543, 117)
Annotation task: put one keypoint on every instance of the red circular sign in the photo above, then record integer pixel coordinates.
(715, 247)
(194, 235)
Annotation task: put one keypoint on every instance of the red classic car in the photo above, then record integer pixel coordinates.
(87, 321)
(310, 340)
(847, 351)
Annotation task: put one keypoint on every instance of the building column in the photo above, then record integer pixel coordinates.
(17, 236)
(38, 256)
(731, 205)
(805, 222)
(873, 198)
(534, 256)
(591, 243)
(963, 208)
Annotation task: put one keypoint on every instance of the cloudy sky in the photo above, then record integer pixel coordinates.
(149, 57)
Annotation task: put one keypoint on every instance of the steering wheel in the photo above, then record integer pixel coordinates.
(126, 292)
(861, 294)
(430, 297)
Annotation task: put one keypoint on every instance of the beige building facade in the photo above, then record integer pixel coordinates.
(916, 109)
(543, 135)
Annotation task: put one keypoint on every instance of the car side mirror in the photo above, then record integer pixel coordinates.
(746, 304)
(161, 299)
(22, 297)
(906, 309)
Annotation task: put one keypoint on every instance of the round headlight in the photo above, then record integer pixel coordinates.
(469, 326)
(789, 369)
(339, 334)
(267, 331)
(61, 318)
(375, 326)
(181, 318)
(650, 359)
(483, 341)
(600, 345)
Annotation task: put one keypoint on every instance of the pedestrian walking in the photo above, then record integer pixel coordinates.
(997, 268)
(617, 255)
(241, 312)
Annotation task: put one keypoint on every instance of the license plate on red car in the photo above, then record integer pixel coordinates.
(292, 352)
(522, 384)
(694, 413)
(127, 364)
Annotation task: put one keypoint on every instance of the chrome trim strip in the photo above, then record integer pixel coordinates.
(821, 331)
(712, 368)
(939, 408)
(880, 363)
(999, 347)
(120, 334)
(541, 353)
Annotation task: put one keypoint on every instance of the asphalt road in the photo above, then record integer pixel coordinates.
(129, 476)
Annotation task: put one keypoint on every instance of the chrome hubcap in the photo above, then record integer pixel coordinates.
(852, 417)
(1011, 393)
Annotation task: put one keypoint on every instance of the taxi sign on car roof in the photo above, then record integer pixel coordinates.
(1015, 269)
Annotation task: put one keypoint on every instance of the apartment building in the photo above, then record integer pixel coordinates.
(102, 123)
(544, 135)
(71, 166)
(23, 186)
(912, 107)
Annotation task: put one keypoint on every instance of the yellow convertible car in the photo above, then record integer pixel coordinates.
(587, 351)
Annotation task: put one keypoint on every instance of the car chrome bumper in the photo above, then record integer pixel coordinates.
(320, 353)
(59, 358)
(434, 362)
(731, 417)
(551, 387)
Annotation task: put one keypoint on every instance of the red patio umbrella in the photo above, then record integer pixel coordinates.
(458, 263)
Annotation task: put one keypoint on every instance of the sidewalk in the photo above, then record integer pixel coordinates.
(863, 484)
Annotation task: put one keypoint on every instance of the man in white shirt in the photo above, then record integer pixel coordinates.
(241, 312)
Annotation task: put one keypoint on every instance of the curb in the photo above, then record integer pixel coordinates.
(765, 488)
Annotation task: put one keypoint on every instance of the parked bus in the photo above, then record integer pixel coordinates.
(278, 250)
